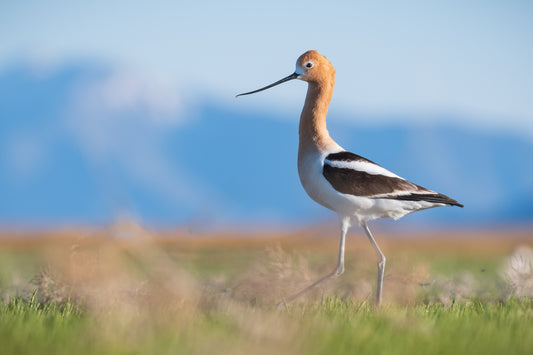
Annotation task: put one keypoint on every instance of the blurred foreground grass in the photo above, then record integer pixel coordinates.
(148, 293)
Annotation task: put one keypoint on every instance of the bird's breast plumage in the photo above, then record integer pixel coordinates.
(355, 186)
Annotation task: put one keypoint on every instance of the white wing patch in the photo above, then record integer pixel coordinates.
(404, 193)
(361, 165)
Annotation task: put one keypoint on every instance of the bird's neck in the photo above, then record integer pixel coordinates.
(313, 131)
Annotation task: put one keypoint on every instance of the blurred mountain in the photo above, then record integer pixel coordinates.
(83, 145)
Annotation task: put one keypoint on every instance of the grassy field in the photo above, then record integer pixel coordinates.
(136, 292)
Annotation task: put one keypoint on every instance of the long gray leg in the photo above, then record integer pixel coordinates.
(345, 225)
(381, 262)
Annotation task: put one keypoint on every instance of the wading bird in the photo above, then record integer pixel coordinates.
(356, 188)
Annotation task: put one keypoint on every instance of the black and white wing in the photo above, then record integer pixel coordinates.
(352, 174)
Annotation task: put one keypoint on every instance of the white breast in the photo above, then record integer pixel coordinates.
(310, 169)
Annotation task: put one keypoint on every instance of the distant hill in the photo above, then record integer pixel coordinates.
(219, 164)
(488, 173)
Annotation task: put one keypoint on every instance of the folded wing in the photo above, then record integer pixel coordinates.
(352, 174)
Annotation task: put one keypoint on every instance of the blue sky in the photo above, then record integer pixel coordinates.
(113, 85)
(415, 57)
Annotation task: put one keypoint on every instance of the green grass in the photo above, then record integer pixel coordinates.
(331, 326)
(109, 297)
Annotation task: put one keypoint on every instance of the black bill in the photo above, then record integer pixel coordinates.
(290, 77)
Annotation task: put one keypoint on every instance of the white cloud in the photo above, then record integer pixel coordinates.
(154, 97)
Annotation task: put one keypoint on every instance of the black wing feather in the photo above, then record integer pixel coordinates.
(361, 183)
(435, 198)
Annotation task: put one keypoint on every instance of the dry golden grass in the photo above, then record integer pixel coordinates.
(126, 265)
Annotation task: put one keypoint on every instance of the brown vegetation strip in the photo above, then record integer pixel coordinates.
(467, 241)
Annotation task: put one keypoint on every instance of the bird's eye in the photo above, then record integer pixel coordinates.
(309, 64)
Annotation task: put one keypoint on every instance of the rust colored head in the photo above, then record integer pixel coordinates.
(314, 67)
